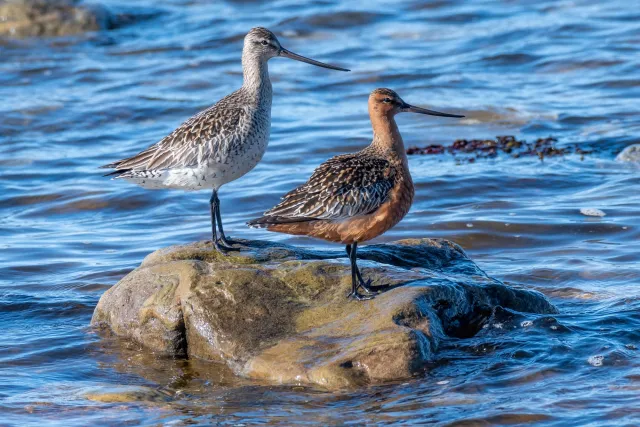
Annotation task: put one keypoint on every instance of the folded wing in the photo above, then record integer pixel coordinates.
(343, 187)
(208, 134)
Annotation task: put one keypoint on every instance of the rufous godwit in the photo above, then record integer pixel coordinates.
(353, 198)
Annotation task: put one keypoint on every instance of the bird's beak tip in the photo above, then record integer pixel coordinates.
(414, 109)
(288, 54)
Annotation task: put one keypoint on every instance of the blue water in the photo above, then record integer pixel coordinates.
(570, 69)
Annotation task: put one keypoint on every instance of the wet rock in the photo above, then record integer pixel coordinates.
(630, 154)
(37, 18)
(115, 394)
(592, 212)
(279, 313)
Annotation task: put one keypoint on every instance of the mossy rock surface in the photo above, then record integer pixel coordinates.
(278, 313)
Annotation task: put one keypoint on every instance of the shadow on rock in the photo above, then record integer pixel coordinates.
(278, 313)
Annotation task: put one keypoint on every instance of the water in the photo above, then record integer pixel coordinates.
(570, 69)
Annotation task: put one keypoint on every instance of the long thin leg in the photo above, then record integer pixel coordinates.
(223, 238)
(212, 208)
(354, 287)
(355, 280)
(357, 270)
(214, 202)
(365, 285)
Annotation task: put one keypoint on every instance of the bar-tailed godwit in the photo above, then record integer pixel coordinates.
(353, 198)
(221, 143)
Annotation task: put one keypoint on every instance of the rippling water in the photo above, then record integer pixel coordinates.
(570, 69)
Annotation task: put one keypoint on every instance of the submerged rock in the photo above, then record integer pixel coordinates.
(630, 154)
(279, 313)
(115, 394)
(37, 18)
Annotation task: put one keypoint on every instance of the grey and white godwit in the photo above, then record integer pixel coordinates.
(353, 198)
(221, 143)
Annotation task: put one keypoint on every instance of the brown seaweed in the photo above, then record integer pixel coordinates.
(509, 145)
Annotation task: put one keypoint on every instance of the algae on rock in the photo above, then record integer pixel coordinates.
(280, 314)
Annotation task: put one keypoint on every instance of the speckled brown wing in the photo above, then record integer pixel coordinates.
(342, 187)
(208, 134)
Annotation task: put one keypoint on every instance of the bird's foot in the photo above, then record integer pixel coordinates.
(228, 241)
(359, 297)
(366, 286)
(222, 248)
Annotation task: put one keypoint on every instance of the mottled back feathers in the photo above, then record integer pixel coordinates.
(208, 134)
(343, 187)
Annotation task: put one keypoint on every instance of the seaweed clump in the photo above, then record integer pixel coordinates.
(509, 145)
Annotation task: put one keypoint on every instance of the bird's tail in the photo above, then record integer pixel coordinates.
(110, 165)
(113, 165)
(118, 173)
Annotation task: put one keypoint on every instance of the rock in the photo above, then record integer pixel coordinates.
(279, 313)
(37, 18)
(592, 212)
(121, 394)
(630, 154)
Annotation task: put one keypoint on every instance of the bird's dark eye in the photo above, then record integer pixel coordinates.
(264, 42)
(387, 100)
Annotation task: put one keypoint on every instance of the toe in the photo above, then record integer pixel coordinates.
(359, 297)
(225, 246)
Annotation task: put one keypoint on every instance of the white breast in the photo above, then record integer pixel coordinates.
(242, 153)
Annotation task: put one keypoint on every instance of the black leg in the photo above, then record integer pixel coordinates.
(348, 249)
(361, 283)
(356, 278)
(212, 208)
(354, 287)
(214, 203)
(223, 239)
(214, 233)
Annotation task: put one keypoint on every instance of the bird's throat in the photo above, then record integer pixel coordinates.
(387, 139)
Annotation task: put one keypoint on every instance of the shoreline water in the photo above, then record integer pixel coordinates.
(569, 70)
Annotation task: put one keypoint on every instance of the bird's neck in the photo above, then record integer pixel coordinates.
(256, 77)
(387, 139)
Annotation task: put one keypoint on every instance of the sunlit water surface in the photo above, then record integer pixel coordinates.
(570, 69)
